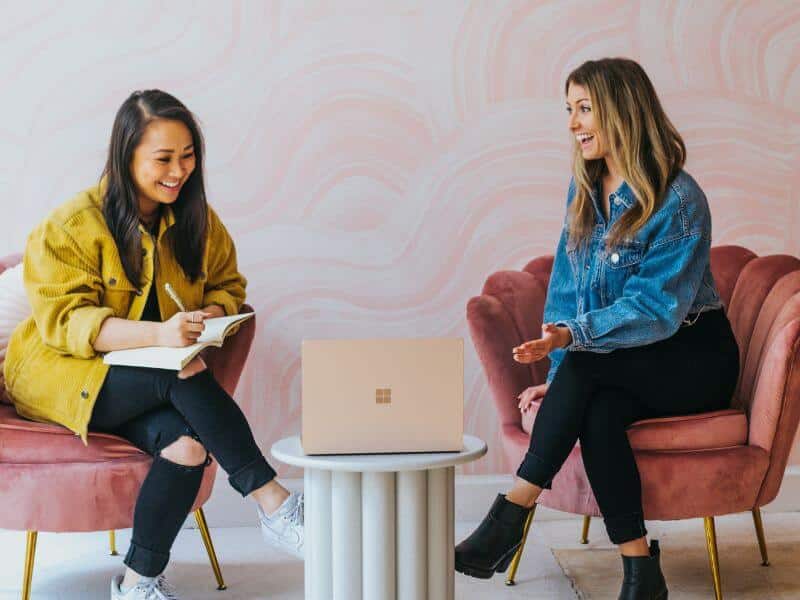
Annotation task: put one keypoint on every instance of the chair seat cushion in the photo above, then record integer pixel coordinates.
(29, 442)
(51, 481)
(703, 431)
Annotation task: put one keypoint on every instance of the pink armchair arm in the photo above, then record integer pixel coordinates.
(227, 363)
(508, 312)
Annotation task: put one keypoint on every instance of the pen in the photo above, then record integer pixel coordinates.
(174, 296)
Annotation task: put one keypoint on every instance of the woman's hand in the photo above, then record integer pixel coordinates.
(197, 365)
(531, 395)
(552, 337)
(213, 310)
(182, 329)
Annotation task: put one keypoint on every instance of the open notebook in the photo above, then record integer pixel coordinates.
(164, 357)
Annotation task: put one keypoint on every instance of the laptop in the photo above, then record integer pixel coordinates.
(382, 395)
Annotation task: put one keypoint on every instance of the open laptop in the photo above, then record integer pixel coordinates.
(382, 395)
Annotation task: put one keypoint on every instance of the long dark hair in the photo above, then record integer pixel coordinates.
(187, 238)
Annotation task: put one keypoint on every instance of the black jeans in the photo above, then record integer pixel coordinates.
(152, 408)
(594, 397)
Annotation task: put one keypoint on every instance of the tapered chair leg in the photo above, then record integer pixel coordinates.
(762, 542)
(112, 543)
(200, 517)
(585, 533)
(512, 569)
(30, 555)
(713, 557)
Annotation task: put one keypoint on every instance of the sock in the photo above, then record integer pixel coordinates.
(290, 499)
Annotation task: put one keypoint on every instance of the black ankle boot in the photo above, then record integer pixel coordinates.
(643, 578)
(492, 545)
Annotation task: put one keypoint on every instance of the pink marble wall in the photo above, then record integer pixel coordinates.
(376, 160)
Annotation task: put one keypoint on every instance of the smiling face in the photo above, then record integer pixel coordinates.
(583, 125)
(161, 164)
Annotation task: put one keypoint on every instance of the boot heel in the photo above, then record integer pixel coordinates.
(481, 554)
(503, 563)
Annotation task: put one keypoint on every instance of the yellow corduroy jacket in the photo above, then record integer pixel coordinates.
(74, 280)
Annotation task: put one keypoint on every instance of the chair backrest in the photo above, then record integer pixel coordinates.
(764, 312)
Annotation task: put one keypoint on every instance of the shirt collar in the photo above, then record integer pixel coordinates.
(623, 192)
(167, 221)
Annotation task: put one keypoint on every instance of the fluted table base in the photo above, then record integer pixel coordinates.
(379, 535)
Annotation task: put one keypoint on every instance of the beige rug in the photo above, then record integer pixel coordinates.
(596, 573)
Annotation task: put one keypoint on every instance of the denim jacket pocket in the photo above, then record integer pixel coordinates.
(619, 264)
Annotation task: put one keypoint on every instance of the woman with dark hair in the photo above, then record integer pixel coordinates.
(95, 271)
(633, 323)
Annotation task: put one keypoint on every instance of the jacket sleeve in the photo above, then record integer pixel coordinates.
(65, 287)
(655, 299)
(562, 300)
(224, 286)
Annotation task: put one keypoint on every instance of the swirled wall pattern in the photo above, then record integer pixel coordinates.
(376, 160)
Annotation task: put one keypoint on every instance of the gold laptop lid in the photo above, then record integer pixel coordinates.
(382, 395)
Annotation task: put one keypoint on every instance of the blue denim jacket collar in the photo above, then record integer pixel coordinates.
(623, 193)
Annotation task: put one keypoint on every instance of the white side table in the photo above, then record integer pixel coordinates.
(379, 526)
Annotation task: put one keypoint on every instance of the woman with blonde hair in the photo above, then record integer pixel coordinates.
(633, 324)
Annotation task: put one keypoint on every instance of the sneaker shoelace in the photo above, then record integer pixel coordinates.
(159, 589)
(296, 516)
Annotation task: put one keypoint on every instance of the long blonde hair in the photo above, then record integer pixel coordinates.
(642, 141)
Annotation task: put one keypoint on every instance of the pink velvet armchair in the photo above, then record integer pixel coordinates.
(50, 481)
(705, 465)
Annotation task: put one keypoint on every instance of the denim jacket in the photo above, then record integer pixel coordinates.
(641, 291)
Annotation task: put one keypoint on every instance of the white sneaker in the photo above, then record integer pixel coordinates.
(284, 528)
(148, 588)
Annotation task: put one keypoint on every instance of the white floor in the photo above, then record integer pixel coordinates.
(77, 566)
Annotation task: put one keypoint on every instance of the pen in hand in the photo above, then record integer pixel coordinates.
(175, 298)
(178, 331)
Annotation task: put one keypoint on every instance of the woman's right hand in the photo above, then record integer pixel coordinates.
(531, 395)
(182, 328)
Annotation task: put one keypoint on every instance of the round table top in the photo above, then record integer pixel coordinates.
(289, 451)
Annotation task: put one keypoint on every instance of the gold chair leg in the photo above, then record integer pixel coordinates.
(762, 542)
(585, 533)
(200, 517)
(713, 557)
(112, 542)
(512, 569)
(30, 555)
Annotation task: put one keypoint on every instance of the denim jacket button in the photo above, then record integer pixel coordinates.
(615, 258)
(617, 201)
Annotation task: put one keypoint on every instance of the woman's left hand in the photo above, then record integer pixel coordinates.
(552, 337)
(214, 310)
(197, 365)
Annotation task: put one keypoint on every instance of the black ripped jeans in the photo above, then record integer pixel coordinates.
(152, 408)
(594, 397)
